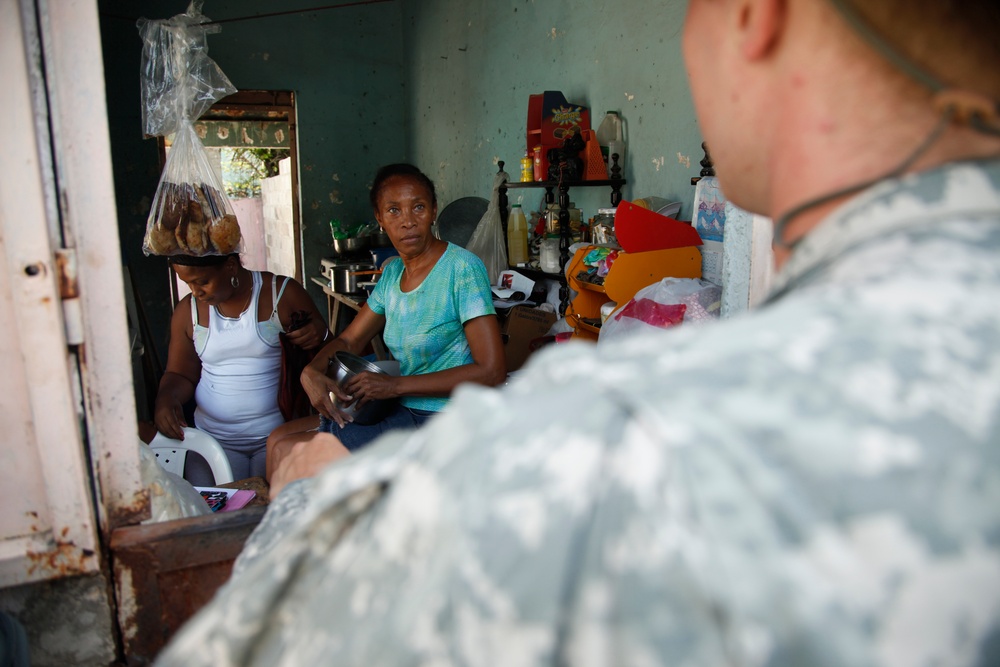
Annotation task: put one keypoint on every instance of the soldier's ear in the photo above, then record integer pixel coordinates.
(760, 25)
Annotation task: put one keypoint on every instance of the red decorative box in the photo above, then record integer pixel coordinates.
(550, 120)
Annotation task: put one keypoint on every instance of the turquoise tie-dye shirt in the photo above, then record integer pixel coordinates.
(425, 328)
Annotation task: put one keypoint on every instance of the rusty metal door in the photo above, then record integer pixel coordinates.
(69, 466)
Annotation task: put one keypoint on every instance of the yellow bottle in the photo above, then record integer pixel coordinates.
(527, 168)
(517, 237)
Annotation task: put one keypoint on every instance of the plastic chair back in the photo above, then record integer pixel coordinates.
(171, 453)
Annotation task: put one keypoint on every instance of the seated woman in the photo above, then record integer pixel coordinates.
(435, 310)
(225, 352)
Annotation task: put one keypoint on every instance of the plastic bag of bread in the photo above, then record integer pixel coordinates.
(191, 214)
(179, 82)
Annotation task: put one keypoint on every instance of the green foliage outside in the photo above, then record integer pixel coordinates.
(243, 169)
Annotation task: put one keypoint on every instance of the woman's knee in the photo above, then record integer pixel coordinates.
(281, 447)
(295, 426)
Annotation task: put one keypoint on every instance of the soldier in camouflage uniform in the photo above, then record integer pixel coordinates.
(816, 483)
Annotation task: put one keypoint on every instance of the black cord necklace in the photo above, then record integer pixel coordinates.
(966, 107)
(930, 140)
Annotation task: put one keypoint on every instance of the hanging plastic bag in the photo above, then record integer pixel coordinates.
(487, 240)
(191, 214)
(178, 80)
(661, 305)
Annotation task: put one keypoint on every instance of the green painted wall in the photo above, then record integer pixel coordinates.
(441, 83)
(473, 63)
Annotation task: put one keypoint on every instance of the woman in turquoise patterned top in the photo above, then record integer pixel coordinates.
(435, 310)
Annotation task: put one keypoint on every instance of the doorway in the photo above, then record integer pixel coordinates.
(251, 139)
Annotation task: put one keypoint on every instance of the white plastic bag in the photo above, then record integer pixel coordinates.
(487, 240)
(170, 496)
(662, 305)
(191, 214)
(178, 80)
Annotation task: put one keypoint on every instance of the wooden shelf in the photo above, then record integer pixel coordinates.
(607, 182)
(559, 191)
(587, 327)
(538, 274)
(584, 285)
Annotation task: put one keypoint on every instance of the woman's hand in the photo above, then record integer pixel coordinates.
(296, 307)
(169, 417)
(366, 386)
(324, 393)
(310, 336)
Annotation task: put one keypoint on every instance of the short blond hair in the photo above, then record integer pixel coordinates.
(955, 41)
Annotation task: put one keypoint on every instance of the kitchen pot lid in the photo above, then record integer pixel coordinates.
(458, 220)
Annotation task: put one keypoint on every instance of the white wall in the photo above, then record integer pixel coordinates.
(279, 230)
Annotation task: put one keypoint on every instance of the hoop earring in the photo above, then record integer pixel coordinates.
(234, 281)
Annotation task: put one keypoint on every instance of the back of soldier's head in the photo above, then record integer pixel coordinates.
(954, 41)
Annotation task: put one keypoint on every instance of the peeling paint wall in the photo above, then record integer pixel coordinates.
(473, 64)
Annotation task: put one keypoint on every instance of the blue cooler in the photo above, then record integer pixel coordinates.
(379, 255)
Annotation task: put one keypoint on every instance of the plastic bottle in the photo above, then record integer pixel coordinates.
(527, 168)
(548, 254)
(610, 135)
(517, 237)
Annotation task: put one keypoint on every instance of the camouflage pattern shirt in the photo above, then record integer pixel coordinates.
(815, 483)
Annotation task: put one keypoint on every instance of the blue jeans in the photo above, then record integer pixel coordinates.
(356, 436)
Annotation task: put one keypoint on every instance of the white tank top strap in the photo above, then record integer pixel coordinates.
(194, 311)
(276, 299)
(272, 326)
(199, 333)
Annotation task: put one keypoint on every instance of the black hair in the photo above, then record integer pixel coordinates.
(399, 169)
(202, 260)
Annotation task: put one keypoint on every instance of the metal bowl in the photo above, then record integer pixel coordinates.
(344, 365)
(352, 245)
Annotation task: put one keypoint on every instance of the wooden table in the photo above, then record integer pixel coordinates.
(258, 485)
(339, 317)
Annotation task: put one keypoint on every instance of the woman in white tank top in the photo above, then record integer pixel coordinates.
(225, 352)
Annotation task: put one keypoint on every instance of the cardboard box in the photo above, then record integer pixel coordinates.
(518, 328)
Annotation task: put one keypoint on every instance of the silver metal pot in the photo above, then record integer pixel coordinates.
(352, 245)
(345, 277)
(344, 365)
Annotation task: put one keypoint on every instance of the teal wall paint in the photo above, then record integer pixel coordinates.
(473, 64)
(441, 83)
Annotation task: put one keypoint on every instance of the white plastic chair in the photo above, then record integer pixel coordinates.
(171, 453)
